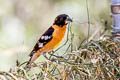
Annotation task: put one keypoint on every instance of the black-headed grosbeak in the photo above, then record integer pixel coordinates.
(51, 38)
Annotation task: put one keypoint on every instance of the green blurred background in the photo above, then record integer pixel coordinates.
(22, 22)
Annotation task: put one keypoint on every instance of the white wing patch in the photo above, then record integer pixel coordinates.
(42, 37)
(45, 37)
(49, 37)
(40, 45)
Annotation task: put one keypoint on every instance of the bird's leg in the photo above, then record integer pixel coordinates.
(51, 53)
(46, 56)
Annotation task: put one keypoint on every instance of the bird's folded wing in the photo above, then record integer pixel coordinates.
(44, 39)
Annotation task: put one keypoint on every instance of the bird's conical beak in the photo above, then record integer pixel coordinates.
(69, 19)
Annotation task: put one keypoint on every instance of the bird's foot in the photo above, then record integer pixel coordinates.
(56, 56)
(46, 57)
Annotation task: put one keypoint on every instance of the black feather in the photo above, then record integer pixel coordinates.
(49, 32)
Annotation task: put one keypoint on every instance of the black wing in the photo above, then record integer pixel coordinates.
(45, 38)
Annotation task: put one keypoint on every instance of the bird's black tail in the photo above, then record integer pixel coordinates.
(28, 65)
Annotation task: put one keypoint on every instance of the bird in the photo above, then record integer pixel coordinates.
(51, 39)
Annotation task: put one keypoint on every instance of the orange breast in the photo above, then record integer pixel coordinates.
(58, 36)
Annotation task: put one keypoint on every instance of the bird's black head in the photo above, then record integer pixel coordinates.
(62, 20)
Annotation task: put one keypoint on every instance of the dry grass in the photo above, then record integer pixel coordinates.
(99, 61)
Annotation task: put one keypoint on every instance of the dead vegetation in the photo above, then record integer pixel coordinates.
(99, 61)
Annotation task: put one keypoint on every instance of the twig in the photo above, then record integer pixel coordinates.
(88, 22)
(9, 74)
(25, 73)
(72, 35)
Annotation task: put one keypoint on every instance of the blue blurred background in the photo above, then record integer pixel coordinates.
(22, 22)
